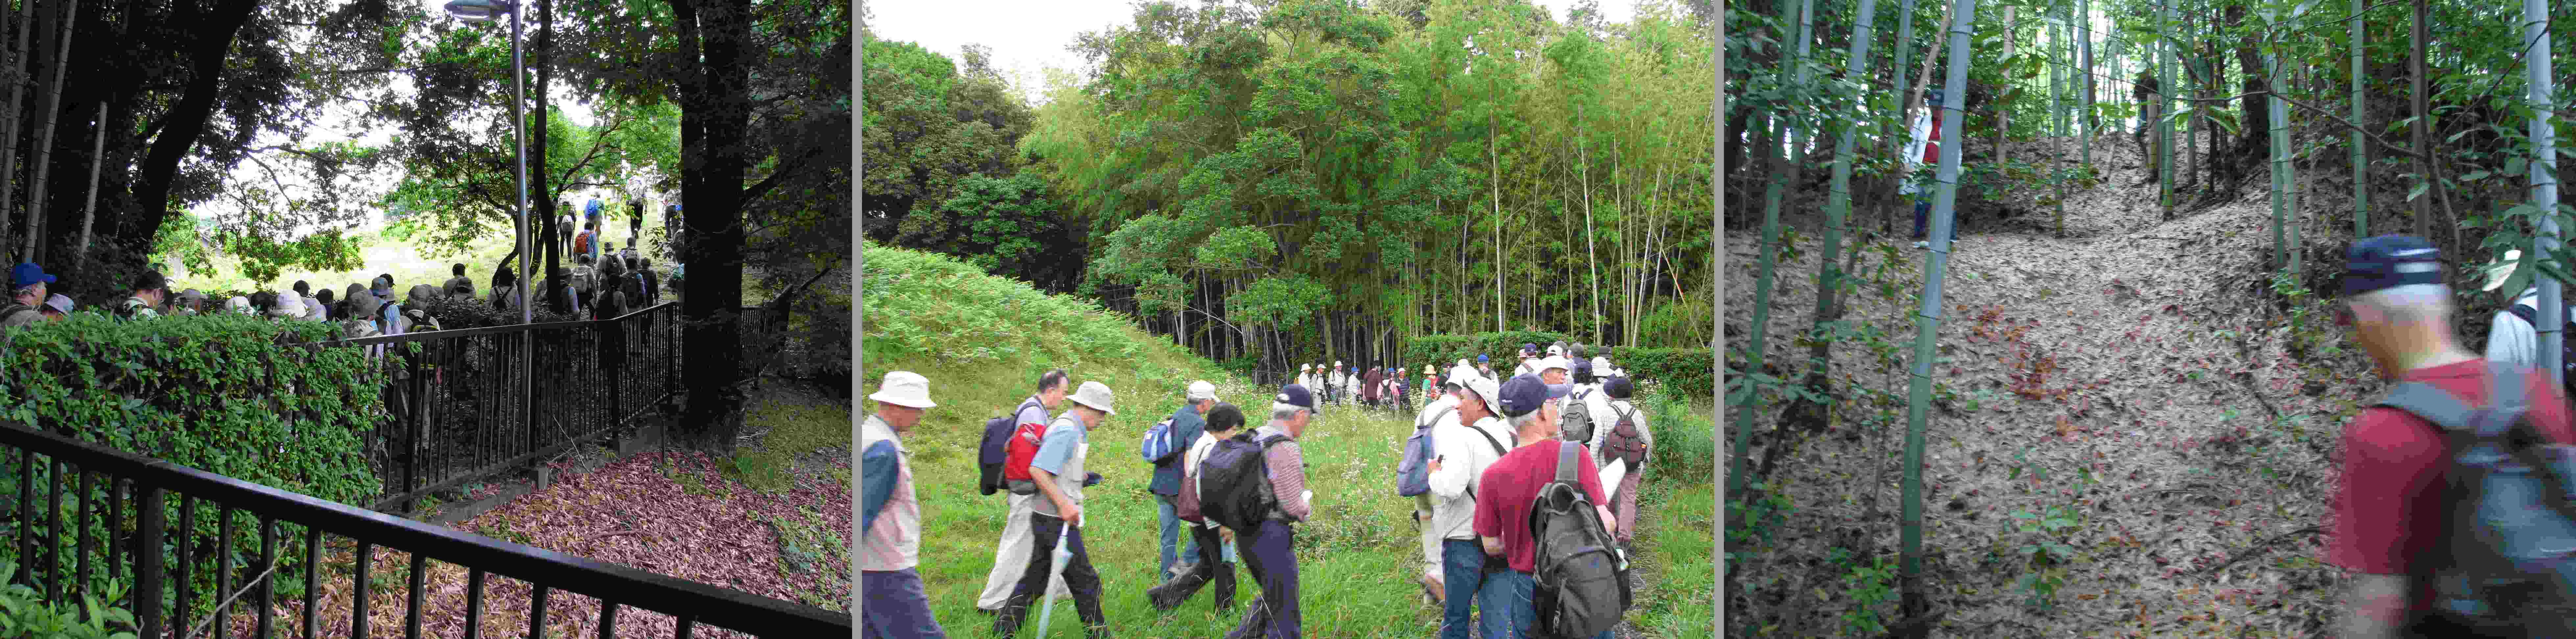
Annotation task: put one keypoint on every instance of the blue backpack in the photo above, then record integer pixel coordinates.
(1413, 474)
(1157, 447)
(2507, 563)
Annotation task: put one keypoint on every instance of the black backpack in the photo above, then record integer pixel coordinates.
(991, 454)
(2567, 357)
(1234, 482)
(2505, 566)
(1582, 585)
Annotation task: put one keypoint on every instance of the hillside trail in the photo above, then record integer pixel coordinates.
(2124, 378)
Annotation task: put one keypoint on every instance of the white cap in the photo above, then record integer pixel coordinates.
(1337, 363)
(1487, 391)
(904, 388)
(1554, 350)
(238, 304)
(1553, 361)
(1095, 395)
(287, 305)
(1201, 389)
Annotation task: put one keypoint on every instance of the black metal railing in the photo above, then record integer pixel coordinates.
(461, 412)
(134, 520)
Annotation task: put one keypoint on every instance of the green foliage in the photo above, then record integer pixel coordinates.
(1008, 227)
(1504, 347)
(204, 392)
(923, 305)
(1680, 370)
(24, 613)
(1868, 584)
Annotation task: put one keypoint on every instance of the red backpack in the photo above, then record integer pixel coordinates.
(1022, 447)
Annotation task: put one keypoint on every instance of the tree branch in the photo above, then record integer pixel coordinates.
(771, 182)
(2329, 115)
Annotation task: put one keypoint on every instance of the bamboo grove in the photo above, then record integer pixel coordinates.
(2425, 117)
(1315, 180)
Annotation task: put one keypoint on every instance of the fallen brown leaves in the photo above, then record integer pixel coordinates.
(630, 513)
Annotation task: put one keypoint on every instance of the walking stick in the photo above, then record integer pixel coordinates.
(1063, 553)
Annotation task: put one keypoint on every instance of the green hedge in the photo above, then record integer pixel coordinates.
(227, 394)
(1444, 351)
(1681, 371)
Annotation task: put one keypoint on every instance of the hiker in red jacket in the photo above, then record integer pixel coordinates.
(1924, 150)
(2391, 514)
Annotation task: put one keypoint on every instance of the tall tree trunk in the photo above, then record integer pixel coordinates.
(2421, 130)
(89, 204)
(715, 120)
(2544, 182)
(2360, 165)
(1927, 327)
(540, 193)
(40, 209)
(1782, 172)
(2003, 116)
(2171, 55)
(10, 115)
(1591, 256)
(187, 120)
(1890, 130)
(2285, 234)
(2057, 111)
(1493, 173)
(1818, 416)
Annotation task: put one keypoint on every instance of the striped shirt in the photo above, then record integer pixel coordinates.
(1287, 473)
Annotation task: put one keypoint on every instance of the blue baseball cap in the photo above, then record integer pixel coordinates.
(2390, 261)
(1525, 393)
(1481, 357)
(28, 273)
(1297, 395)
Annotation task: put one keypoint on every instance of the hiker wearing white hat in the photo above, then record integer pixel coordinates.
(1443, 408)
(1162, 448)
(57, 307)
(1011, 554)
(1463, 447)
(1056, 517)
(896, 605)
(2511, 336)
(1333, 384)
(287, 306)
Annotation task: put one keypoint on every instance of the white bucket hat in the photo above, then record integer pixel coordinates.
(286, 306)
(1487, 391)
(1095, 395)
(238, 304)
(1553, 361)
(904, 388)
(1201, 389)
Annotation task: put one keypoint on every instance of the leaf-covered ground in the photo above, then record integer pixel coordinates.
(671, 513)
(2130, 398)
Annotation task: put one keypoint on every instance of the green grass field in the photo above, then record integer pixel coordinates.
(409, 262)
(983, 341)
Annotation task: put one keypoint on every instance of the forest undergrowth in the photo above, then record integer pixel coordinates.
(2133, 430)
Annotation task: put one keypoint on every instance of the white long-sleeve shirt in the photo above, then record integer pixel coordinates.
(2512, 340)
(1921, 133)
(1467, 455)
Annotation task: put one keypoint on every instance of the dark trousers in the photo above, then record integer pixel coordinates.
(1080, 580)
(1210, 566)
(895, 606)
(1923, 218)
(1271, 555)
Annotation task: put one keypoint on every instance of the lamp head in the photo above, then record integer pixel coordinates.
(478, 10)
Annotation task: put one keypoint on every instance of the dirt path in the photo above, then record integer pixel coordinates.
(2129, 353)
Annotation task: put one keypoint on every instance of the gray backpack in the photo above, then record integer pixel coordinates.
(1582, 585)
(1577, 424)
(2506, 565)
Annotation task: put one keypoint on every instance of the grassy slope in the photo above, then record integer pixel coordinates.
(982, 342)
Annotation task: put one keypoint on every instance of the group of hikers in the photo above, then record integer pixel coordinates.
(1523, 489)
(608, 286)
(1400, 388)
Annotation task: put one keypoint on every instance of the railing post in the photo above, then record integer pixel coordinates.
(412, 404)
(148, 569)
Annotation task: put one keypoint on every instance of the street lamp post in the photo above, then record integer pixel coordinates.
(486, 11)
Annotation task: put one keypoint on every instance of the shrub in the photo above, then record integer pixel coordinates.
(1685, 371)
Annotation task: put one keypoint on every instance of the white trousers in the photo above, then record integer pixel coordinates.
(1430, 538)
(1012, 559)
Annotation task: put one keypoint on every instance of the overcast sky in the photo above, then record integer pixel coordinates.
(1027, 37)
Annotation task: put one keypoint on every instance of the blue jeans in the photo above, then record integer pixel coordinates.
(1462, 577)
(1923, 218)
(1172, 524)
(895, 606)
(1516, 601)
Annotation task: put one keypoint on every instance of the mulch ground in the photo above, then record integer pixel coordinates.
(641, 512)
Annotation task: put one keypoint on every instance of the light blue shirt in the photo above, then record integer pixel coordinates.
(1062, 438)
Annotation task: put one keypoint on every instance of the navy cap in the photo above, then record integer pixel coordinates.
(1481, 357)
(2390, 261)
(1523, 394)
(1297, 395)
(28, 274)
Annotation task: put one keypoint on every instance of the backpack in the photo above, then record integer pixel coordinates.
(1623, 442)
(1157, 447)
(1576, 426)
(2506, 566)
(581, 242)
(1582, 587)
(1185, 505)
(1235, 482)
(1413, 474)
(995, 452)
(13, 310)
(2567, 358)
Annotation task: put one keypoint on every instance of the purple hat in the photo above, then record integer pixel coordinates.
(1296, 395)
